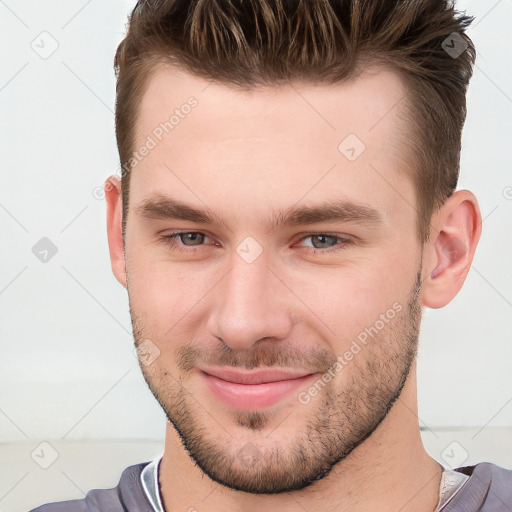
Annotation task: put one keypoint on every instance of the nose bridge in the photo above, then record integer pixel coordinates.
(249, 304)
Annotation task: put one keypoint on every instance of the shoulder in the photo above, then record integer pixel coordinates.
(488, 489)
(488, 472)
(127, 495)
(500, 478)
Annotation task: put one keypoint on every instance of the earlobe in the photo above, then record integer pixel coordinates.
(456, 231)
(113, 198)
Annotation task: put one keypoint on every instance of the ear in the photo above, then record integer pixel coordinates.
(113, 197)
(455, 232)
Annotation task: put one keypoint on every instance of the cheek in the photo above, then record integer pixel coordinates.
(164, 292)
(344, 301)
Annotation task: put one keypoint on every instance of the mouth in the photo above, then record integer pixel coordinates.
(254, 390)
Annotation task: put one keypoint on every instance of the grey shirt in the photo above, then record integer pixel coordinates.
(488, 489)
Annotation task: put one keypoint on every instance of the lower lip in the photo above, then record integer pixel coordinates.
(254, 396)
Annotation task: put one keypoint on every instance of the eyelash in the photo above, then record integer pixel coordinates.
(171, 240)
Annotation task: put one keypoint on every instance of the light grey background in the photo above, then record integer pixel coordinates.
(67, 366)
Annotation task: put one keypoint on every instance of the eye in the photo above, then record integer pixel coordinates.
(321, 242)
(333, 242)
(179, 240)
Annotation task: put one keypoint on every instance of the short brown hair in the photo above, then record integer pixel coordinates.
(251, 43)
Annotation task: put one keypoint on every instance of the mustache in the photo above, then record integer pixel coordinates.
(270, 354)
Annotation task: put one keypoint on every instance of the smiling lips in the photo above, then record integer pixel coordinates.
(253, 390)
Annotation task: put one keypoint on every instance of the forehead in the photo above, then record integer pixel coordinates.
(270, 140)
(361, 104)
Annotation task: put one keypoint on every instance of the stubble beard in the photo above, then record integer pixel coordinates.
(337, 421)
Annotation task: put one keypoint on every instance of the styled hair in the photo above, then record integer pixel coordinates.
(256, 43)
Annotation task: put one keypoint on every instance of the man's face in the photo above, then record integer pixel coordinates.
(334, 302)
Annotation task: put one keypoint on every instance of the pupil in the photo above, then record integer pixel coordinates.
(192, 236)
(322, 238)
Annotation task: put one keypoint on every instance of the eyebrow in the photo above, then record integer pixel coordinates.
(161, 207)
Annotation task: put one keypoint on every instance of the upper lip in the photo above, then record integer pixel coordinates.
(256, 376)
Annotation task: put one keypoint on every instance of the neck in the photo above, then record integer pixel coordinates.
(389, 471)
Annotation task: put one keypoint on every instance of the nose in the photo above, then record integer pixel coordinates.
(250, 303)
